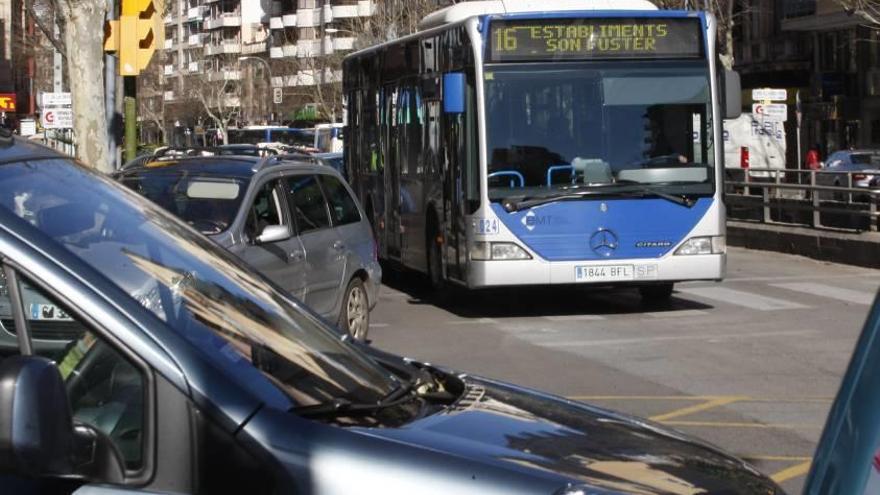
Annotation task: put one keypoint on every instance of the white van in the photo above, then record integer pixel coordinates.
(328, 138)
(750, 143)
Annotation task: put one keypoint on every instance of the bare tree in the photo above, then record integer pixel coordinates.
(82, 23)
(866, 9)
(727, 13)
(151, 99)
(219, 94)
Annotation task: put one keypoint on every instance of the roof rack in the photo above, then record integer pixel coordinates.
(277, 159)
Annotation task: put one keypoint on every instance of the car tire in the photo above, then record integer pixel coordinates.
(656, 293)
(435, 265)
(354, 316)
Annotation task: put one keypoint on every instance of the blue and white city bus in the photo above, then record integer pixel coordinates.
(507, 145)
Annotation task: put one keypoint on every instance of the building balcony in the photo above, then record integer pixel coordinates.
(197, 13)
(308, 18)
(276, 23)
(168, 96)
(342, 44)
(344, 11)
(253, 48)
(366, 8)
(276, 52)
(169, 43)
(223, 48)
(197, 39)
(168, 70)
(224, 75)
(193, 67)
(226, 20)
(289, 20)
(308, 48)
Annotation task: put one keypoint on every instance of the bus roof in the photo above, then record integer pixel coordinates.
(462, 11)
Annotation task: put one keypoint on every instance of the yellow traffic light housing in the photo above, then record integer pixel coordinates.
(136, 35)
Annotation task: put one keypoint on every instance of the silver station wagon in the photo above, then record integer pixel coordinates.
(296, 222)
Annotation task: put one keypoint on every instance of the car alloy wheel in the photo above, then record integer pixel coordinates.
(356, 310)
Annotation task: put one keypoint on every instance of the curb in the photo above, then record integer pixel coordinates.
(859, 249)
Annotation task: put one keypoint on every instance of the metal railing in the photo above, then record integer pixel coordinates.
(785, 194)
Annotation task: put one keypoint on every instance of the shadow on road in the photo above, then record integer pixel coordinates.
(568, 300)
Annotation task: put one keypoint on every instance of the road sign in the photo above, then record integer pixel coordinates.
(27, 127)
(7, 102)
(57, 118)
(769, 94)
(56, 99)
(776, 112)
(277, 95)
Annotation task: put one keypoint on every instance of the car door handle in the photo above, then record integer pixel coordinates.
(339, 245)
(296, 256)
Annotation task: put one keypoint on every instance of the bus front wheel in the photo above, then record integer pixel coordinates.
(656, 293)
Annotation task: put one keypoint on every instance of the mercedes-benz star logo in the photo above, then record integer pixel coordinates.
(603, 242)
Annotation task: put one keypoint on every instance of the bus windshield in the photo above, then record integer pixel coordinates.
(554, 126)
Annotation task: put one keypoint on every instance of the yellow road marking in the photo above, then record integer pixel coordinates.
(783, 458)
(685, 411)
(792, 472)
(725, 424)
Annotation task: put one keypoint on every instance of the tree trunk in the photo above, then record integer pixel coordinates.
(84, 40)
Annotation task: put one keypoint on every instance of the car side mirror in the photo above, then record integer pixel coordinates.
(37, 435)
(273, 233)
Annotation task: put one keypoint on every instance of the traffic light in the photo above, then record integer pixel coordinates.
(136, 35)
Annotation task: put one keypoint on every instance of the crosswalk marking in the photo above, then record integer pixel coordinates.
(676, 338)
(740, 298)
(675, 313)
(822, 290)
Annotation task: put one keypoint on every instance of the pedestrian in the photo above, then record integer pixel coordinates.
(813, 162)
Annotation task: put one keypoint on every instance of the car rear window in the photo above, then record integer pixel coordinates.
(343, 209)
(872, 159)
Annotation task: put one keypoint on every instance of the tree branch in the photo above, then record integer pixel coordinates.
(50, 35)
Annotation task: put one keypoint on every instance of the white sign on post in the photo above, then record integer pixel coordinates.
(56, 99)
(768, 94)
(57, 118)
(776, 112)
(27, 127)
(277, 95)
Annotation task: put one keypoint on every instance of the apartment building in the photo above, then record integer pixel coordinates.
(17, 65)
(841, 107)
(254, 48)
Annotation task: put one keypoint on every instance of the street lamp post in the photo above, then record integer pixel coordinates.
(268, 72)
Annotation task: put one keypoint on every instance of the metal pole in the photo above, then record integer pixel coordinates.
(798, 113)
(110, 93)
(130, 117)
(817, 221)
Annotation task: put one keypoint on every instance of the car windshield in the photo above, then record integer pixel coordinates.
(195, 287)
(551, 126)
(208, 203)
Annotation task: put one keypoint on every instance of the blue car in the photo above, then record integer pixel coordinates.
(191, 373)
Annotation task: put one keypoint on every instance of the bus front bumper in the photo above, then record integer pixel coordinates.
(606, 272)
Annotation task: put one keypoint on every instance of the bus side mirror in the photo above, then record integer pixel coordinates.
(732, 95)
(453, 92)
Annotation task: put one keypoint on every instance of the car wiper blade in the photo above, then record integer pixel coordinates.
(344, 407)
(515, 203)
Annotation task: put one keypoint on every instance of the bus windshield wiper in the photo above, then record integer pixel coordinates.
(627, 188)
(344, 407)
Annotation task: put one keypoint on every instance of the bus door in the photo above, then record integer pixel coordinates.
(392, 174)
(455, 233)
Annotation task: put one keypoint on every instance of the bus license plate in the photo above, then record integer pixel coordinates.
(604, 273)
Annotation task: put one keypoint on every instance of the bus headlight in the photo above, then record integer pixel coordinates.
(703, 245)
(489, 251)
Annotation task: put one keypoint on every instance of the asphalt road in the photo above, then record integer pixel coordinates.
(750, 364)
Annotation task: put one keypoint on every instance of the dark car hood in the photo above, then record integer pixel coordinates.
(520, 429)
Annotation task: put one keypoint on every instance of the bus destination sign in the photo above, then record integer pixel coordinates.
(532, 40)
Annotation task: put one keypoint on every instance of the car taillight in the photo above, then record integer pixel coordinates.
(859, 176)
(744, 157)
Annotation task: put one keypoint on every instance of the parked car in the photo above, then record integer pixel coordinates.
(197, 374)
(333, 160)
(862, 164)
(295, 221)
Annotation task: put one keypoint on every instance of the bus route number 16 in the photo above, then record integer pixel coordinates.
(486, 226)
